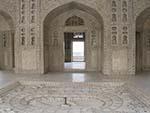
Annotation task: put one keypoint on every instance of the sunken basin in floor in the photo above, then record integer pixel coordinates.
(67, 97)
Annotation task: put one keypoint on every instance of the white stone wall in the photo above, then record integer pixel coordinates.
(119, 21)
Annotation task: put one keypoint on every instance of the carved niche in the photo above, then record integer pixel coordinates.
(55, 39)
(32, 36)
(22, 36)
(93, 39)
(125, 40)
(33, 10)
(124, 11)
(22, 11)
(125, 35)
(32, 7)
(114, 11)
(22, 30)
(33, 21)
(4, 39)
(114, 29)
(114, 36)
(125, 23)
(148, 41)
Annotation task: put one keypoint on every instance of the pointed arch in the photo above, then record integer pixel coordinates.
(143, 41)
(73, 20)
(70, 6)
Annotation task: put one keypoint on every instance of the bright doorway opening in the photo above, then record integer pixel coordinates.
(74, 51)
(78, 51)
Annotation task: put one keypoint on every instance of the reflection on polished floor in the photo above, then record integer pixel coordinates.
(140, 80)
(74, 65)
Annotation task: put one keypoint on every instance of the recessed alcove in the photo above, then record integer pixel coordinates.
(59, 30)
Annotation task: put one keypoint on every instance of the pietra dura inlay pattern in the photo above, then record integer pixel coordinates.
(50, 97)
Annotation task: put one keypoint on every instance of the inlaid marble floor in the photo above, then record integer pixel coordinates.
(56, 97)
(74, 93)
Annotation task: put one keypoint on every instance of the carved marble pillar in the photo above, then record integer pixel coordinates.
(27, 47)
(120, 27)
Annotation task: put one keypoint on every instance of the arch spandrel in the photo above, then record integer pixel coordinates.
(91, 8)
(10, 7)
(8, 18)
(140, 6)
(141, 18)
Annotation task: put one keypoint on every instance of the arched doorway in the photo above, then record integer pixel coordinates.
(65, 23)
(75, 43)
(6, 42)
(143, 41)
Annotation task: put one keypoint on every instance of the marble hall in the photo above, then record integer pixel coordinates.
(74, 56)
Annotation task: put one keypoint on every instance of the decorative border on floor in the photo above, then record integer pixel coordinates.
(93, 86)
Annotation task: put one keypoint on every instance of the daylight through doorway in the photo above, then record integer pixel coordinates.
(78, 51)
(74, 50)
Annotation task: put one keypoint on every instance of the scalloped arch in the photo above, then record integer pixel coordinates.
(8, 18)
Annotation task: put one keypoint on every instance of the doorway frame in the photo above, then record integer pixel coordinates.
(81, 29)
(72, 50)
(139, 52)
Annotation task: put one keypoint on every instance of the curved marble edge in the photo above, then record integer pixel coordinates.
(138, 93)
(8, 86)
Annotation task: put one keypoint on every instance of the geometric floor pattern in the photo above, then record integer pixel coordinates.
(54, 97)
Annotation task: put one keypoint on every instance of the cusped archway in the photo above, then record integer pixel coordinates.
(55, 27)
(143, 41)
(6, 41)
